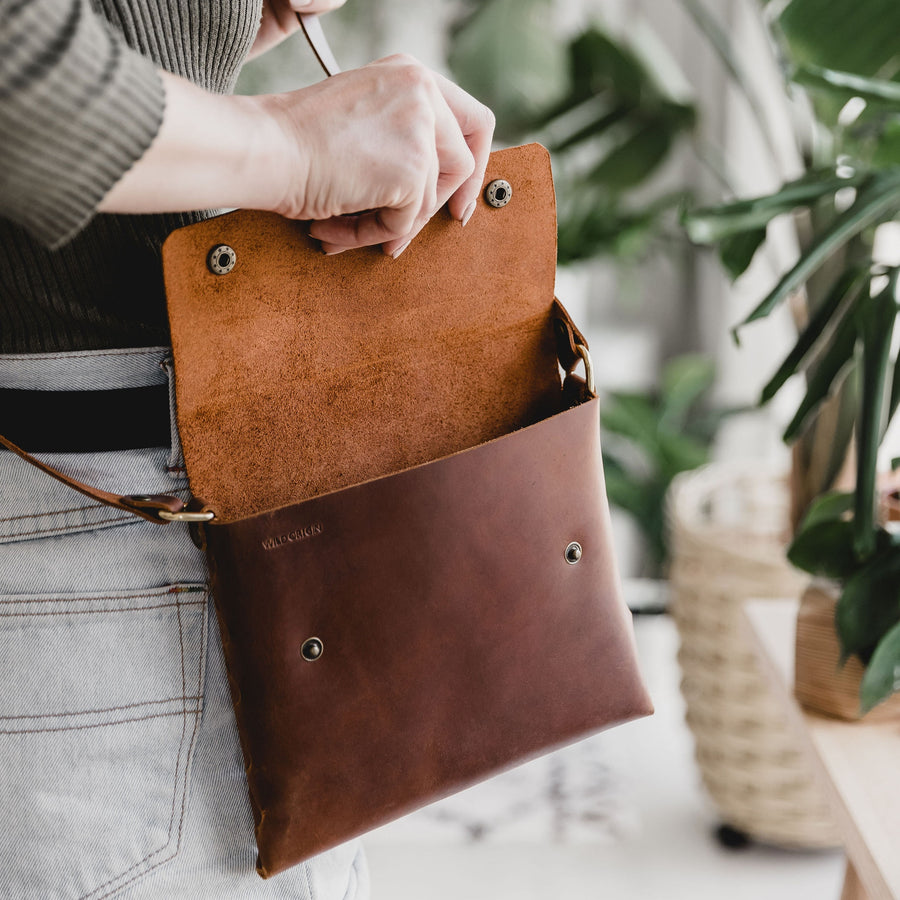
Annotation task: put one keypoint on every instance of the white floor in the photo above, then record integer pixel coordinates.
(617, 817)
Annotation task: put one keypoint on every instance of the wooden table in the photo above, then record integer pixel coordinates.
(858, 763)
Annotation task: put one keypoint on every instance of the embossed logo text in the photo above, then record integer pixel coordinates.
(299, 534)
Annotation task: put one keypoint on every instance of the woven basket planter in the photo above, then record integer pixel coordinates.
(727, 535)
(821, 683)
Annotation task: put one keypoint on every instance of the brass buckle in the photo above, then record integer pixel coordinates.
(186, 516)
(585, 354)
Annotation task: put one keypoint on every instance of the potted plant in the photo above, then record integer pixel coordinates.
(608, 121)
(840, 58)
(651, 437)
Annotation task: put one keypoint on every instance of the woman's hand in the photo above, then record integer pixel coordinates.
(369, 155)
(383, 148)
(279, 20)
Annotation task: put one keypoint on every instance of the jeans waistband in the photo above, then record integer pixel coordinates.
(85, 370)
(73, 402)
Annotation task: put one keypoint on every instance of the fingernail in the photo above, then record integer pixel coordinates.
(330, 250)
(400, 249)
(470, 209)
(299, 4)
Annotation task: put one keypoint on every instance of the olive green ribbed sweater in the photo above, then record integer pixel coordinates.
(80, 102)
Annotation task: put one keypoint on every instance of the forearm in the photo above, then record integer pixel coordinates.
(211, 151)
(77, 107)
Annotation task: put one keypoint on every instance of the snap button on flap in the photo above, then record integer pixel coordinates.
(221, 259)
(498, 193)
(312, 649)
(573, 553)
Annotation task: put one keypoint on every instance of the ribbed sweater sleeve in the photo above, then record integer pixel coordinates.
(78, 107)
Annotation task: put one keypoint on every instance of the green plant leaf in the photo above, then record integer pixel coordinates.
(895, 396)
(828, 507)
(680, 453)
(845, 292)
(882, 675)
(877, 201)
(632, 416)
(596, 126)
(848, 84)
(850, 35)
(637, 157)
(825, 548)
(502, 52)
(827, 375)
(623, 488)
(599, 64)
(737, 251)
(876, 318)
(684, 381)
(887, 144)
(712, 224)
(869, 605)
(642, 499)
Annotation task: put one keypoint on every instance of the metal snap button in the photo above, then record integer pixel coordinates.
(312, 649)
(498, 193)
(573, 553)
(221, 259)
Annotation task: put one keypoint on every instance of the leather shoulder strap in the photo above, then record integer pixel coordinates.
(146, 506)
(151, 506)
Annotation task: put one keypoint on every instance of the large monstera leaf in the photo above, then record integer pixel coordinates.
(859, 36)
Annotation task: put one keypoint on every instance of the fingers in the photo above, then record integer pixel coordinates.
(455, 165)
(476, 123)
(458, 145)
(365, 229)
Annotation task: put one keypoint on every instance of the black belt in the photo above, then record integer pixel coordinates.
(86, 421)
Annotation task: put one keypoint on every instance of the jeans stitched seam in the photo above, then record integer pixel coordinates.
(353, 886)
(308, 884)
(193, 740)
(83, 612)
(82, 355)
(122, 595)
(166, 846)
(53, 512)
(85, 712)
(87, 612)
(118, 518)
(183, 721)
(182, 712)
(174, 850)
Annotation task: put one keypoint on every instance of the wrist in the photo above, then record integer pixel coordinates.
(211, 151)
(278, 159)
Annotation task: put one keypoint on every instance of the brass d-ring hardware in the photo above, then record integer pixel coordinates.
(585, 354)
(167, 516)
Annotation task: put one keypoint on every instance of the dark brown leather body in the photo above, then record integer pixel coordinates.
(399, 476)
(457, 638)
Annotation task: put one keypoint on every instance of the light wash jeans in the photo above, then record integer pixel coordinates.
(120, 770)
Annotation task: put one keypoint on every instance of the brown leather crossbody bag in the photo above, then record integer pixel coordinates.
(398, 485)
(399, 488)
